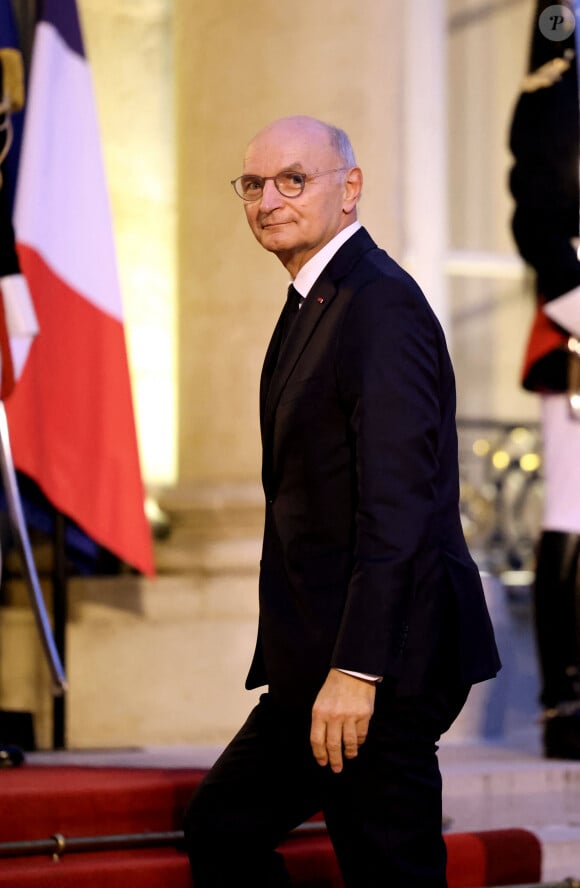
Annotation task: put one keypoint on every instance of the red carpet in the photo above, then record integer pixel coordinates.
(37, 802)
(92, 801)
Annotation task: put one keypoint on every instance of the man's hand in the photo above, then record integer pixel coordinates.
(340, 718)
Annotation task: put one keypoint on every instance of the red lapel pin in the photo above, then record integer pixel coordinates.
(320, 299)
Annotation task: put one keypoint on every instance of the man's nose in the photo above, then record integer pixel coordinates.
(271, 197)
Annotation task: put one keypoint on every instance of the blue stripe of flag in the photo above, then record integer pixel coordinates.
(10, 39)
(63, 15)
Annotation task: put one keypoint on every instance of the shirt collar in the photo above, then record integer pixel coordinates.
(311, 270)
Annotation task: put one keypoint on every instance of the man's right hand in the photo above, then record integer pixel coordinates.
(340, 718)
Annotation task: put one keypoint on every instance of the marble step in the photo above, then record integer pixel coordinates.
(490, 786)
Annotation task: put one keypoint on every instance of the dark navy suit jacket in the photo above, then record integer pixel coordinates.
(364, 564)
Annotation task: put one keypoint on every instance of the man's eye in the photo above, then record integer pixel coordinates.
(250, 185)
(296, 179)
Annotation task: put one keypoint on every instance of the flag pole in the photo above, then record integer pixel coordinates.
(15, 512)
(60, 617)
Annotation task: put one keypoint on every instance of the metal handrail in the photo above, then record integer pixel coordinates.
(58, 844)
(500, 425)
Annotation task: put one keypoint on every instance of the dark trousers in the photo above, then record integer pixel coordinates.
(383, 811)
(557, 616)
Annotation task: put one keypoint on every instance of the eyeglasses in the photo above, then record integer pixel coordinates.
(289, 183)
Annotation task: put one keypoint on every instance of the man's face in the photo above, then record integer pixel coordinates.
(297, 228)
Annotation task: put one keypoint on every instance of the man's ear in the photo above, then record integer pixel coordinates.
(352, 189)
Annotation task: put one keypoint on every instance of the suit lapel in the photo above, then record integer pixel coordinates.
(274, 378)
(276, 373)
(309, 316)
(268, 369)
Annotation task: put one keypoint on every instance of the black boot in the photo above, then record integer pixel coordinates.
(557, 622)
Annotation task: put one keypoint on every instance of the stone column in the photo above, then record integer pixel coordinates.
(237, 68)
(424, 116)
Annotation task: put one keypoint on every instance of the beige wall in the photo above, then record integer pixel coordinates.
(130, 50)
(237, 67)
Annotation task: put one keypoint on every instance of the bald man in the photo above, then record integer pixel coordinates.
(373, 623)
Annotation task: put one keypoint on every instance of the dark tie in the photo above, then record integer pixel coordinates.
(291, 308)
(287, 317)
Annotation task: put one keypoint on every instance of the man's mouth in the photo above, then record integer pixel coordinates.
(271, 224)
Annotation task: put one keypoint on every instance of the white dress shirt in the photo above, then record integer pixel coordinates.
(311, 270)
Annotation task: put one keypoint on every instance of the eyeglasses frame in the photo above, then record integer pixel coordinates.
(264, 179)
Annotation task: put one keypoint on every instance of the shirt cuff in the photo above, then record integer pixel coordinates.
(362, 675)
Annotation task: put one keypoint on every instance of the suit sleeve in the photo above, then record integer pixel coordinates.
(389, 374)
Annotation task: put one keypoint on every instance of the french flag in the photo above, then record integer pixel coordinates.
(18, 324)
(71, 415)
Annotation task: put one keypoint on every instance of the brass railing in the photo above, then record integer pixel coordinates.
(57, 845)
